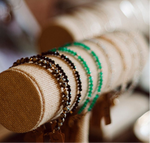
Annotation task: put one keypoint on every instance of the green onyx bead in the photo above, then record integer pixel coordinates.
(89, 95)
(91, 85)
(91, 81)
(90, 78)
(97, 96)
(89, 109)
(80, 111)
(91, 88)
(95, 99)
(92, 104)
(101, 79)
(84, 105)
(53, 50)
(89, 72)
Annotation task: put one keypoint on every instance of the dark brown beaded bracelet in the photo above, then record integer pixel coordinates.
(76, 73)
(60, 76)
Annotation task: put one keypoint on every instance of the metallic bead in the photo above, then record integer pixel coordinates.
(66, 98)
(22, 60)
(66, 109)
(18, 62)
(64, 84)
(60, 124)
(31, 59)
(65, 92)
(40, 61)
(26, 59)
(63, 115)
(61, 79)
(66, 103)
(71, 112)
(63, 95)
(61, 120)
(35, 59)
(15, 64)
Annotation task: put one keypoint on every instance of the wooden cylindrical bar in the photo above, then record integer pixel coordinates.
(30, 95)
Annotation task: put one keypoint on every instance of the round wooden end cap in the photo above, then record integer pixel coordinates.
(20, 102)
(54, 36)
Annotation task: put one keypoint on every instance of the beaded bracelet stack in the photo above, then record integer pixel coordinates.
(90, 80)
(59, 75)
(99, 67)
(47, 63)
(76, 73)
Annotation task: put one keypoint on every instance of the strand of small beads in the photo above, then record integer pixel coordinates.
(99, 68)
(132, 84)
(61, 78)
(111, 65)
(75, 72)
(90, 80)
(121, 88)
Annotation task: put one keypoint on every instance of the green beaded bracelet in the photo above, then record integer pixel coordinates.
(99, 67)
(87, 69)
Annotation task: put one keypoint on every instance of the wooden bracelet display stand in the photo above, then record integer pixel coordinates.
(30, 96)
(92, 20)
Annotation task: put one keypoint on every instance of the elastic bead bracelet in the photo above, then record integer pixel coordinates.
(60, 76)
(131, 84)
(105, 51)
(139, 47)
(99, 67)
(117, 90)
(121, 35)
(75, 72)
(90, 80)
(122, 87)
(140, 55)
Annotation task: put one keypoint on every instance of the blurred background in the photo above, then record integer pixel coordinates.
(28, 27)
